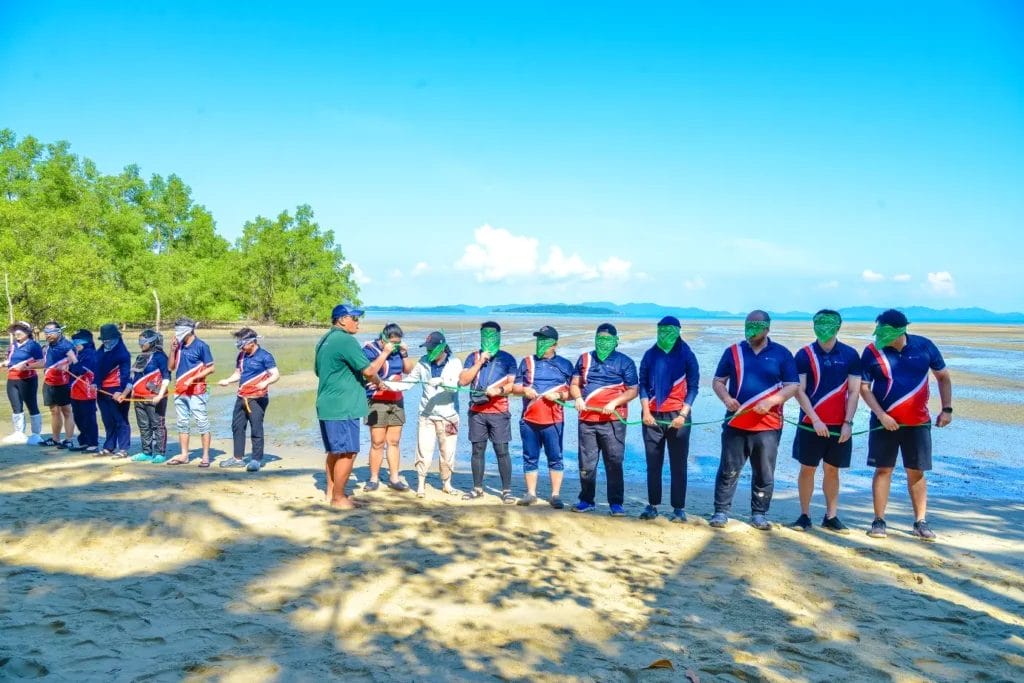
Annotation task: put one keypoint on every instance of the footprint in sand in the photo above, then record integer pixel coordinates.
(17, 667)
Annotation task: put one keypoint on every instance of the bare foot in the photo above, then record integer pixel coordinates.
(347, 503)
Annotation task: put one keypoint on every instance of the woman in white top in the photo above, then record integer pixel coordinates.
(439, 372)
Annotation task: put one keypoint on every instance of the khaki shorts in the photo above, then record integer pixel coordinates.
(386, 414)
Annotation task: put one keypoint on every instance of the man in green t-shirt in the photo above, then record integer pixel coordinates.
(343, 370)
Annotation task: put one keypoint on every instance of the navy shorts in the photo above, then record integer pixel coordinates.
(534, 437)
(340, 436)
(914, 443)
(810, 449)
(493, 427)
(56, 396)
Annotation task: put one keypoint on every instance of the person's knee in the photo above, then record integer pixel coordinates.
(501, 450)
(479, 448)
(883, 473)
(914, 475)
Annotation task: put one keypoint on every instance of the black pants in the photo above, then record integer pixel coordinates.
(607, 441)
(678, 442)
(84, 412)
(22, 393)
(253, 417)
(115, 424)
(762, 449)
(152, 426)
(501, 454)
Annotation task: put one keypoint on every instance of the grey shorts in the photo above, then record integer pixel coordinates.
(383, 414)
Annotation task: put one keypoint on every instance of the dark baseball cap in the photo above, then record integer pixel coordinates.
(341, 310)
(669, 320)
(607, 328)
(547, 332)
(109, 332)
(433, 339)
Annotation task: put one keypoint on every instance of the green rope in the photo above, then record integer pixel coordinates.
(667, 423)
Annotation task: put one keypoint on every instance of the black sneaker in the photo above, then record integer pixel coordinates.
(833, 524)
(802, 523)
(877, 529)
(922, 531)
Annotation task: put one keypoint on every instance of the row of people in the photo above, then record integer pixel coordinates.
(754, 379)
(79, 378)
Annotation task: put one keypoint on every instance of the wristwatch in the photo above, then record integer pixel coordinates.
(948, 409)
(849, 422)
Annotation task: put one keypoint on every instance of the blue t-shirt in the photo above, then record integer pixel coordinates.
(146, 382)
(57, 365)
(495, 372)
(192, 360)
(391, 370)
(753, 377)
(28, 350)
(899, 379)
(603, 382)
(543, 375)
(252, 370)
(828, 374)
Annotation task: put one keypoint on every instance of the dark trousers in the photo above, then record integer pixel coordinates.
(24, 393)
(115, 423)
(152, 426)
(84, 413)
(501, 454)
(607, 441)
(253, 417)
(739, 445)
(656, 439)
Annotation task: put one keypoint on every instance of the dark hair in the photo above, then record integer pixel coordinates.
(893, 318)
(828, 311)
(51, 322)
(20, 325)
(392, 330)
(763, 315)
(245, 332)
(491, 324)
(184, 322)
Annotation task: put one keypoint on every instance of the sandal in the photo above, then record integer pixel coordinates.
(473, 494)
(177, 461)
(401, 485)
(204, 463)
(507, 498)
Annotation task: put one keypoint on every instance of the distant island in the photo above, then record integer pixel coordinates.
(916, 314)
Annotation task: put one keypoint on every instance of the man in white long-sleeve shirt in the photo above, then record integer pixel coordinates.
(439, 410)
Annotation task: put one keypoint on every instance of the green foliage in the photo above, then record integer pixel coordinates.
(87, 248)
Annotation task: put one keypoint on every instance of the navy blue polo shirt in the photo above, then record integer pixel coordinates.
(753, 377)
(828, 374)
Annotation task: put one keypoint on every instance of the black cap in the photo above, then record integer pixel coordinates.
(433, 339)
(109, 331)
(491, 324)
(82, 335)
(609, 328)
(669, 320)
(547, 332)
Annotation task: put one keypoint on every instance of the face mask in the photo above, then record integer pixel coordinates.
(435, 353)
(752, 328)
(887, 334)
(604, 344)
(826, 327)
(109, 344)
(668, 335)
(490, 340)
(182, 331)
(544, 345)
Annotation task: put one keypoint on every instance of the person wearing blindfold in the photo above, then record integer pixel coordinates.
(60, 354)
(24, 355)
(192, 362)
(150, 377)
(255, 371)
(389, 358)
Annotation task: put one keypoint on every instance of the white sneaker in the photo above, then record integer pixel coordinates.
(34, 440)
(15, 438)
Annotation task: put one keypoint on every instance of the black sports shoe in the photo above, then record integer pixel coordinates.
(802, 523)
(877, 529)
(833, 524)
(922, 531)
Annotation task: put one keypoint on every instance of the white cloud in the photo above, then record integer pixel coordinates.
(695, 283)
(941, 283)
(358, 275)
(395, 274)
(497, 254)
(901, 277)
(871, 276)
(420, 268)
(615, 268)
(562, 267)
(831, 284)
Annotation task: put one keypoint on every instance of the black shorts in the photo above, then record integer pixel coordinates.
(915, 443)
(56, 396)
(810, 449)
(493, 427)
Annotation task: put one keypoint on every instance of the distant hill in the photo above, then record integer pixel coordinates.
(916, 314)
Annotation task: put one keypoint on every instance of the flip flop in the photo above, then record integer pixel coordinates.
(176, 461)
(204, 463)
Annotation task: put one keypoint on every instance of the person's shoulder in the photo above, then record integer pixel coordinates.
(562, 360)
(506, 356)
(778, 348)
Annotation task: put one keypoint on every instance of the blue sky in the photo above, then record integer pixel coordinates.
(723, 155)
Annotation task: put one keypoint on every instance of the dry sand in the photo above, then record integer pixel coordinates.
(139, 572)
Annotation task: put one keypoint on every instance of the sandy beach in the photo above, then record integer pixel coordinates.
(123, 571)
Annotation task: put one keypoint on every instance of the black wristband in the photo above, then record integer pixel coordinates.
(948, 409)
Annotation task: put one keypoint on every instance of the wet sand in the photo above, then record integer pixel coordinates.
(122, 571)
